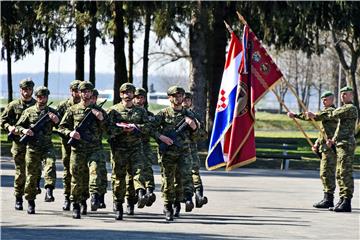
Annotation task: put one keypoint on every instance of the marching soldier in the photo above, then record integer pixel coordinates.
(86, 149)
(65, 148)
(328, 155)
(344, 140)
(126, 123)
(176, 127)
(39, 147)
(9, 117)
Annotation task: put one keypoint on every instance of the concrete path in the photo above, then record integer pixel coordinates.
(243, 204)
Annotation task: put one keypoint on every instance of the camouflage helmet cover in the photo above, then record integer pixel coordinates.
(127, 87)
(42, 91)
(26, 83)
(86, 85)
(175, 89)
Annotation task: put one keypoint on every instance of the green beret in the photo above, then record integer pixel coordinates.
(95, 92)
(140, 91)
(188, 95)
(74, 85)
(127, 87)
(26, 83)
(175, 89)
(327, 94)
(86, 85)
(42, 91)
(346, 89)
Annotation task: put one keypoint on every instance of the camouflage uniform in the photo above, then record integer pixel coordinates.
(127, 149)
(175, 157)
(9, 117)
(65, 148)
(84, 157)
(39, 148)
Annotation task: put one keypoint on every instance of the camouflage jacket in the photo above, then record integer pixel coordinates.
(13, 111)
(146, 137)
(29, 117)
(166, 121)
(64, 105)
(92, 136)
(202, 134)
(136, 115)
(347, 116)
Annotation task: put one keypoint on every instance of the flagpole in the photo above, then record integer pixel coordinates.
(242, 20)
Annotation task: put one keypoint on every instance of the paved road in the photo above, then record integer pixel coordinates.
(243, 204)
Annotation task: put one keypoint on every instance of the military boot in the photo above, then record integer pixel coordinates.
(76, 211)
(118, 209)
(130, 207)
(337, 204)
(169, 212)
(177, 207)
(189, 205)
(345, 206)
(141, 198)
(151, 197)
(49, 195)
(102, 201)
(31, 207)
(19, 203)
(327, 202)
(83, 207)
(200, 199)
(94, 201)
(66, 206)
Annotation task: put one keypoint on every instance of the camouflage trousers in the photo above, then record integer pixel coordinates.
(125, 160)
(34, 159)
(65, 153)
(102, 174)
(195, 167)
(344, 169)
(85, 176)
(18, 151)
(327, 170)
(176, 183)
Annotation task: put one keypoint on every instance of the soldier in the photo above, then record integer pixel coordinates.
(87, 150)
(175, 155)
(65, 148)
(328, 155)
(126, 123)
(9, 117)
(39, 147)
(101, 163)
(344, 139)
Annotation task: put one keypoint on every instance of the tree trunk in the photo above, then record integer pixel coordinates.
(47, 53)
(354, 85)
(92, 49)
(119, 54)
(131, 45)
(9, 73)
(146, 46)
(80, 46)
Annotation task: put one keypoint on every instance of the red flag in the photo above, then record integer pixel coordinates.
(257, 74)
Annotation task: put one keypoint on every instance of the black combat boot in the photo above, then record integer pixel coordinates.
(19, 203)
(118, 209)
(94, 201)
(141, 198)
(169, 212)
(151, 197)
(102, 201)
(189, 205)
(76, 211)
(130, 207)
(66, 206)
(327, 202)
(177, 207)
(337, 204)
(31, 207)
(49, 195)
(83, 207)
(345, 206)
(200, 199)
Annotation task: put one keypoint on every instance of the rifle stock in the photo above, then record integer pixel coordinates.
(181, 126)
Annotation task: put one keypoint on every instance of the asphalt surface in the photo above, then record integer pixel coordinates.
(243, 204)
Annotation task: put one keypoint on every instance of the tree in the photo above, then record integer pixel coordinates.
(80, 40)
(92, 35)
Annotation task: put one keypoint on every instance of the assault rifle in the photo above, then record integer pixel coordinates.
(172, 134)
(83, 125)
(37, 126)
(318, 153)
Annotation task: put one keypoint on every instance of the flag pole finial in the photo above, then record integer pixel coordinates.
(241, 18)
(228, 27)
